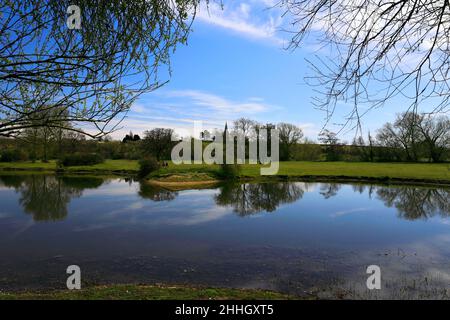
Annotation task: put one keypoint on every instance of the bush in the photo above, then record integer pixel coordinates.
(307, 152)
(229, 171)
(147, 165)
(11, 155)
(81, 159)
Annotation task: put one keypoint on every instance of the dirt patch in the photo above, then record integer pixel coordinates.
(183, 185)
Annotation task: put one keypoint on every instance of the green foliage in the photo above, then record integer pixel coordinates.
(148, 165)
(131, 138)
(117, 40)
(229, 171)
(81, 159)
(307, 152)
(158, 143)
(11, 155)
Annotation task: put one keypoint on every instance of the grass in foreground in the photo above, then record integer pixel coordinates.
(136, 292)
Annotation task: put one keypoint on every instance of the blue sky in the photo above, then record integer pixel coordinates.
(236, 65)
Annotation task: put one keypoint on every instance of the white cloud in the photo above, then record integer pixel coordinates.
(247, 18)
(179, 109)
(220, 104)
(346, 212)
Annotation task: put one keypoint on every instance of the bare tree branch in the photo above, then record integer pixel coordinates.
(378, 49)
(91, 75)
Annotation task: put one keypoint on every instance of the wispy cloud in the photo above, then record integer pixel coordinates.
(179, 109)
(252, 19)
(350, 211)
(221, 104)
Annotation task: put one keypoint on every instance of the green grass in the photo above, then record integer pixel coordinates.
(425, 171)
(108, 165)
(137, 292)
(105, 167)
(38, 165)
(402, 171)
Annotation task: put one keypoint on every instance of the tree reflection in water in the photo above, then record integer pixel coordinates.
(155, 193)
(329, 190)
(46, 197)
(416, 202)
(251, 198)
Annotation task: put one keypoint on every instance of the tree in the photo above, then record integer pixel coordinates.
(331, 142)
(366, 152)
(268, 127)
(158, 142)
(371, 147)
(436, 136)
(41, 135)
(131, 137)
(378, 50)
(205, 135)
(93, 73)
(243, 126)
(403, 134)
(289, 136)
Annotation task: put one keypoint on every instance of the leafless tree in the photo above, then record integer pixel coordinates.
(403, 134)
(378, 49)
(289, 136)
(435, 133)
(243, 126)
(331, 142)
(92, 74)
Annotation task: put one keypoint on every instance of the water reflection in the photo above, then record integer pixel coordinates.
(416, 202)
(155, 193)
(46, 197)
(247, 199)
(328, 190)
(124, 232)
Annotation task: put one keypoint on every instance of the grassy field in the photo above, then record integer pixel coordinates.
(361, 169)
(135, 292)
(130, 166)
(357, 170)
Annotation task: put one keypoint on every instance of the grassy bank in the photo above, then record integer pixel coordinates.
(137, 292)
(413, 172)
(426, 172)
(109, 166)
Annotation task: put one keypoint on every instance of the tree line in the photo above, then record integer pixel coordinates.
(409, 138)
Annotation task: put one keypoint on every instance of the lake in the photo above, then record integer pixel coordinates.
(303, 238)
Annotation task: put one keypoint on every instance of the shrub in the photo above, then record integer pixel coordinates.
(147, 165)
(307, 152)
(81, 159)
(229, 171)
(11, 155)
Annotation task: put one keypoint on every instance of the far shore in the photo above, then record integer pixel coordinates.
(199, 176)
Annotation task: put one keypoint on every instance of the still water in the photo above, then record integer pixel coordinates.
(296, 237)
